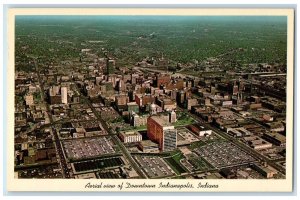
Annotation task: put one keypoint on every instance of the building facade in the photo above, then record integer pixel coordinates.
(162, 132)
(130, 136)
(64, 95)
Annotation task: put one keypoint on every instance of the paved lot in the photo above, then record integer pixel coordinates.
(154, 166)
(223, 154)
(84, 148)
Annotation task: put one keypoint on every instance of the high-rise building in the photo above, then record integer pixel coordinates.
(54, 96)
(110, 66)
(56, 89)
(191, 102)
(64, 95)
(172, 117)
(212, 90)
(161, 131)
(169, 140)
(121, 86)
(134, 78)
(235, 89)
(174, 94)
(181, 96)
(241, 85)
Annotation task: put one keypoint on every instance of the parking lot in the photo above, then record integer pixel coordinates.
(154, 166)
(85, 148)
(222, 154)
(50, 171)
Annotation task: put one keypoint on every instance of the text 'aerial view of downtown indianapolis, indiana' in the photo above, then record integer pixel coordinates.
(150, 97)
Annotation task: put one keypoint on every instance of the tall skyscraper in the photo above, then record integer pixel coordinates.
(64, 95)
(235, 89)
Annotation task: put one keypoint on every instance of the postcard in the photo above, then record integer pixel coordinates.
(150, 100)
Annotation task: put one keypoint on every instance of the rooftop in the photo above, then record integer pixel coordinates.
(131, 104)
(277, 136)
(131, 133)
(161, 120)
(147, 143)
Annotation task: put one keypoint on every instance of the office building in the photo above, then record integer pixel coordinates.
(54, 96)
(130, 136)
(137, 120)
(161, 131)
(169, 139)
(64, 95)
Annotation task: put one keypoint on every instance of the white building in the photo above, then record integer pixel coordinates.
(130, 136)
(172, 117)
(64, 95)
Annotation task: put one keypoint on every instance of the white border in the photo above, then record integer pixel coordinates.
(290, 93)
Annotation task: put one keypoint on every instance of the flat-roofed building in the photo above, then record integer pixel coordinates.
(161, 131)
(29, 99)
(130, 136)
(191, 102)
(168, 104)
(200, 130)
(137, 120)
(132, 107)
(169, 139)
(275, 138)
(143, 100)
(147, 146)
(64, 95)
(121, 100)
(257, 143)
(172, 117)
(264, 170)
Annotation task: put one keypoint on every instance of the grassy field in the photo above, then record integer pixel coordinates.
(175, 166)
(183, 119)
(174, 161)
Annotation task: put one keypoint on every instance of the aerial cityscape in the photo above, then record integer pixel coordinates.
(150, 97)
